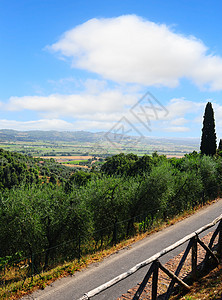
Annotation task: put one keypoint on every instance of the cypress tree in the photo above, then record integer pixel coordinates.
(220, 145)
(219, 149)
(208, 141)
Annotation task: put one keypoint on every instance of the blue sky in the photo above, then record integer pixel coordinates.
(86, 65)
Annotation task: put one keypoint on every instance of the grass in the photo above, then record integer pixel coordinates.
(208, 287)
(76, 162)
(15, 290)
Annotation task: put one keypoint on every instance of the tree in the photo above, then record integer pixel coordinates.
(79, 178)
(119, 164)
(219, 149)
(208, 140)
(53, 179)
(220, 145)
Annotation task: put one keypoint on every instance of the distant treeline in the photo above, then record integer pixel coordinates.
(43, 205)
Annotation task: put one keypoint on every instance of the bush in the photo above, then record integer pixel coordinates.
(208, 173)
(156, 189)
(38, 219)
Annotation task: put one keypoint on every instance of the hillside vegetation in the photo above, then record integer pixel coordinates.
(17, 169)
(44, 204)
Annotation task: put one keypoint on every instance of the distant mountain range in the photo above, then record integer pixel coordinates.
(38, 135)
(86, 136)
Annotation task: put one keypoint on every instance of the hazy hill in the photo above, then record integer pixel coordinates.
(82, 136)
(38, 135)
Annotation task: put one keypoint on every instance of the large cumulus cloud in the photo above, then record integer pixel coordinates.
(133, 50)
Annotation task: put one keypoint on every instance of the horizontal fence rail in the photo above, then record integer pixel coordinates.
(155, 264)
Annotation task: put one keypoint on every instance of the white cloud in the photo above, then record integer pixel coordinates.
(179, 121)
(218, 119)
(95, 124)
(208, 72)
(179, 107)
(102, 110)
(94, 86)
(106, 102)
(177, 129)
(43, 124)
(65, 85)
(134, 50)
(58, 124)
(217, 111)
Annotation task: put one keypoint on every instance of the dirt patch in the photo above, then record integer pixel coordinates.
(176, 156)
(68, 157)
(77, 166)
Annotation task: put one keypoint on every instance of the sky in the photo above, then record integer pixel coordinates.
(145, 67)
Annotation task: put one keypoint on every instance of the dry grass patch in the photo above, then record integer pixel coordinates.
(16, 290)
(208, 287)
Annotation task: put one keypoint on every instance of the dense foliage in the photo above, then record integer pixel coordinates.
(17, 169)
(49, 220)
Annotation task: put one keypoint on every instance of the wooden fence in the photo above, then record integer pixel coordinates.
(193, 239)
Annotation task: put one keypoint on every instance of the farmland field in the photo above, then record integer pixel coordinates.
(69, 158)
(82, 151)
(84, 145)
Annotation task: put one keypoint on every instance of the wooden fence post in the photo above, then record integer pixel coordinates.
(194, 258)
(155, 280)
(219, 250)
(206, 259)
(183, 259)
(144, 282)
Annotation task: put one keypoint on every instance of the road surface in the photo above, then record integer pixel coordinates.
(74, 287)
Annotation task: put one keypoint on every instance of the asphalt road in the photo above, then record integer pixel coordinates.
(72, 288)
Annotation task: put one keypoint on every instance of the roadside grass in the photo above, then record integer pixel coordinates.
(15, 290)
(208, 287)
